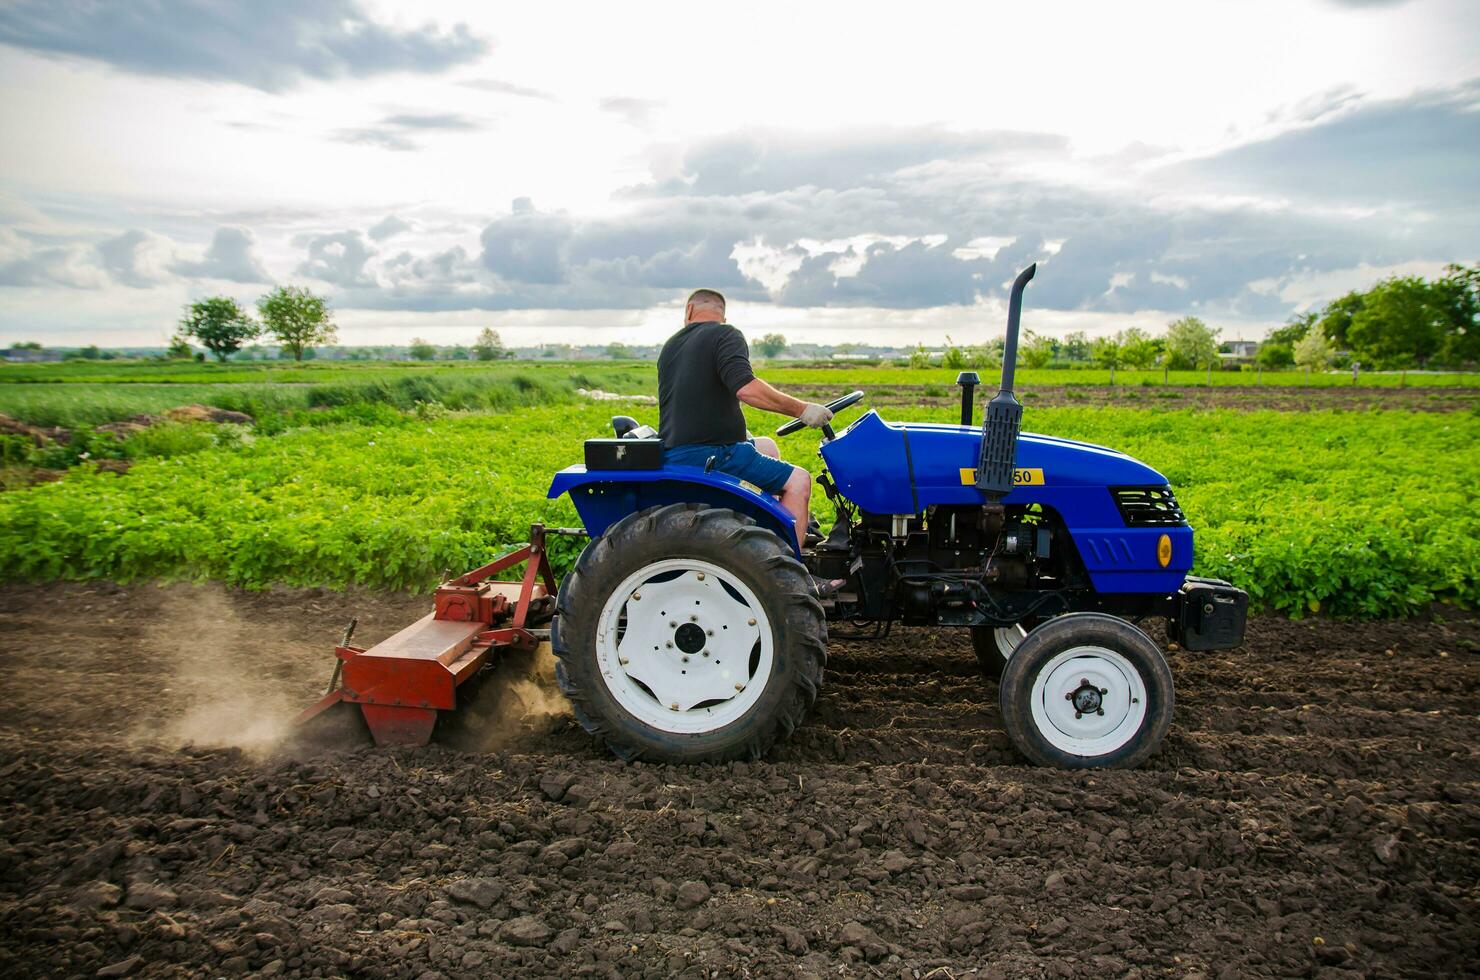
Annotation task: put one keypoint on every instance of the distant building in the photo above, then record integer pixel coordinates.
(1234, 352)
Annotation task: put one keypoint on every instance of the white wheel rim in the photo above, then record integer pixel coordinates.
(647, 654)
(1007, 638)
(1061, 690)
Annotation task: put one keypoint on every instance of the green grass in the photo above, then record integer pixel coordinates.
(86, 400)
(1354, 514)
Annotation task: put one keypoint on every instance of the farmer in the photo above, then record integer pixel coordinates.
(703, 376)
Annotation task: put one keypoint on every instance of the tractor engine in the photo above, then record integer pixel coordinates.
(944, 566)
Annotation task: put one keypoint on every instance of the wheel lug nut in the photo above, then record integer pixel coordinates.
(693, 618)
(685, 659)
(1104, 690)
(673, 623)
(709, 632)
(1077, 716)
(668, 645)
(1069, 696)
(1099, 711)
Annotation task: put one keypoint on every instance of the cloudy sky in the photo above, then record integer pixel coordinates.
(841, 171)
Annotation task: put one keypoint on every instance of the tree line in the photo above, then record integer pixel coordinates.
(296, 318)
(1402, 322)
(1188, 344)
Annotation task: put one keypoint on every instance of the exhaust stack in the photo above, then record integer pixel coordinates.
(1004, 413)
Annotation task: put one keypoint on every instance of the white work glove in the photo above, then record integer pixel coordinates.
(816, 416)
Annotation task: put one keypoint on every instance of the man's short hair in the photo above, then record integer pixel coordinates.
(707, 297)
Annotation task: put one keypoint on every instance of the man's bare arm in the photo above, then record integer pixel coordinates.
(758, 394)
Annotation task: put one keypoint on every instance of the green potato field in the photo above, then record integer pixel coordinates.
(1356, 514)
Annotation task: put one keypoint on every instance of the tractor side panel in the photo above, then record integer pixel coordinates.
(903, 468)
(603, 498)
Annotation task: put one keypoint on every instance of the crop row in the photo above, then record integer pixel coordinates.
(92, 402)
(1361, 515)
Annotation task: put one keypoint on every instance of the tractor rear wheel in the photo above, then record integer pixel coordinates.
(687, 633)
(1087, 690)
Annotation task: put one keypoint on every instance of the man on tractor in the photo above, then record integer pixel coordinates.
(704, 374)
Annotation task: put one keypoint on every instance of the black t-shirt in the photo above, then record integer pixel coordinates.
(699, 370)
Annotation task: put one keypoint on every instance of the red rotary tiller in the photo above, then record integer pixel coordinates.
(402, 682)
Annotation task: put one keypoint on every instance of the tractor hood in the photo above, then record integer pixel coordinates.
(904, 467)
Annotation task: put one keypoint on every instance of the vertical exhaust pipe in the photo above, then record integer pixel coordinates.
(1004, 414)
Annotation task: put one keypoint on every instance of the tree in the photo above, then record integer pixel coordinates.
(1401, 323)
(1336, 318)
(618, 351)
(1293, 331)
(26, 345)
(1138, 348)
(179, 349)
(297, 318)
(1035, 351)
(771, 345)
(1077, 347)
(1314, 351)
(1107, 352)
(1191, 343)
(489, 346)
(1459, 295)
(420, 350)
(221, 326)
(954, 358)
(1275, 355)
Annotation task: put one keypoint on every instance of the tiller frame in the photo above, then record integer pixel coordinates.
(402, 682)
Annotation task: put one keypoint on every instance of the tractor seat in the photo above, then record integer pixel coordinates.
(626, 427)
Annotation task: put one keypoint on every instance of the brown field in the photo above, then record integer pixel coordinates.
(1314, 812)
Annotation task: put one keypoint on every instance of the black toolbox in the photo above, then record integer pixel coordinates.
(624, 454)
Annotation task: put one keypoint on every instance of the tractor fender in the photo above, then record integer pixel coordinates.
(603, 497)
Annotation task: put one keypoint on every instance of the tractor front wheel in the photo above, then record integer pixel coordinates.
(1087, 690)
(687, 633)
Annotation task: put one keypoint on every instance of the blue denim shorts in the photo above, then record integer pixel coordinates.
(740, 460)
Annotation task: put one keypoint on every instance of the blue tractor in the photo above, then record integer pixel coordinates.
(690, 629)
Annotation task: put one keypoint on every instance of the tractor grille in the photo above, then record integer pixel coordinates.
(1148, 506)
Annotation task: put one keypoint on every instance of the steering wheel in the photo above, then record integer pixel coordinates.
(834, 406)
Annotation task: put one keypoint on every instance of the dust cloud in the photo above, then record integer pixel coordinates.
(227, 681)
(229, 678)
(513, 699)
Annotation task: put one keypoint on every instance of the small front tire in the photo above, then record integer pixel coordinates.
(1087, 690)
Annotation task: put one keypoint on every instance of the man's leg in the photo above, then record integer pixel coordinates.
(795, 497)
(766, 446)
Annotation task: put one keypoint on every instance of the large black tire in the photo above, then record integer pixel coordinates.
(1037, 654)
(756, 557)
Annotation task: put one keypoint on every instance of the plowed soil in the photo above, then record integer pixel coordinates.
(1315, 812)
